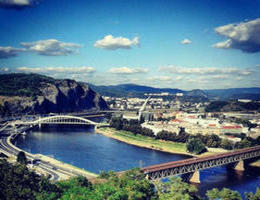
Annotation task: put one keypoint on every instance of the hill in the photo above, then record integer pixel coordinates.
(34, 93)
(231, 106)
(131, 90)
(235, 93)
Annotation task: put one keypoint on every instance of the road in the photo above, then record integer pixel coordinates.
(55, 171)
(5, 147)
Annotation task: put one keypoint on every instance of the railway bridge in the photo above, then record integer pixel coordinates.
(191, 167)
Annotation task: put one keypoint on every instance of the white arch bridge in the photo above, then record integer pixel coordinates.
(61, 119)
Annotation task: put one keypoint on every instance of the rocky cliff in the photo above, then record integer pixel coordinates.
(39, 94)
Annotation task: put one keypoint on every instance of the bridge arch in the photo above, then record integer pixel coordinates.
(64, 119)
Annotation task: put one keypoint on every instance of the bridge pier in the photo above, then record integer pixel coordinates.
(195, 177)
(95, 128)
(239, 166)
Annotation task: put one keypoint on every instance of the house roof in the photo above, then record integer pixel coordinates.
(231, 127)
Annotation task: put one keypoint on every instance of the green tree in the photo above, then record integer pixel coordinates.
(195, 145)
(251, 196)
(47, 190)
(226, 144)
(175, 189)
(224, 194)
(21, 158)
(130, 185)
(106, 174)
(17, 182)
(246, 142)
(76, 188)
(213, 140)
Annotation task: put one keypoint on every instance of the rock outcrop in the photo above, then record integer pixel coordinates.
(57, 96)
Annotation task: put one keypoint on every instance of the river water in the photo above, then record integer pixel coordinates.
(94, 152)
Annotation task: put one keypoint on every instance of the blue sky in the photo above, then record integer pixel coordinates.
(182, 44)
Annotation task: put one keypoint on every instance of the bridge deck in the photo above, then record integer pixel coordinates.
(181, 163)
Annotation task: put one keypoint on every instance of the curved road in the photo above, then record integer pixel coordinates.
(44, 166)
(55, 171)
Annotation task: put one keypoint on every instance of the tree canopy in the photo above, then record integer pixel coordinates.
(19, 84)
(224, 194)
(175, 189)
(195, 145)
(18, 182)
(21, 158)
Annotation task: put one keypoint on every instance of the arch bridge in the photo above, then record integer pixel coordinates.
(61, 119)
(64, 119)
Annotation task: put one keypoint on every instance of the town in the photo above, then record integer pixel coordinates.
(171, 115)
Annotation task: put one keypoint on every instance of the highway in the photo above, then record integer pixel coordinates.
(5, 147)
(56, 172)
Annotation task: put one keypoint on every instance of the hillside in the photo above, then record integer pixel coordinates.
(23, 85)
(33, 93)
(235, 93)
(130, 90)
(133, 90)
(231, 106)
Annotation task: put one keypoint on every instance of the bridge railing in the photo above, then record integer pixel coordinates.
(59, 119)
(196, 164)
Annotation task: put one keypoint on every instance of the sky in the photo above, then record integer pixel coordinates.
(185, 44)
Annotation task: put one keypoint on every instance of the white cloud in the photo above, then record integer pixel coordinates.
(51, 47)
(160, 78)
(185, 41)
(112, 43)
(4, 70)
(218, 76)
(243, 36)
(205, 70)
(18, 4)
(51, 70)
(127, 70)
(178, 78)
(7, 52)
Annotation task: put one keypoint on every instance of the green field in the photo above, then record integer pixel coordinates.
(144, 141)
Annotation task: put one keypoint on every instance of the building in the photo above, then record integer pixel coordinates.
(146, 116)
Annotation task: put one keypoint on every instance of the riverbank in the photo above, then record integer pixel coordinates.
(71, 168)
(64, 170)
(160, 145)
(144, 141)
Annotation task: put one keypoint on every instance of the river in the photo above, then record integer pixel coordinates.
(94, 152)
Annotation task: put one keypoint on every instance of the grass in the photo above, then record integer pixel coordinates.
(151, 143)
(144, 141)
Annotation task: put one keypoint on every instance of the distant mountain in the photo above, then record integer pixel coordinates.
(131, 90)
(231, 106)
(235, 93)
(195, 96)
(197, 93)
